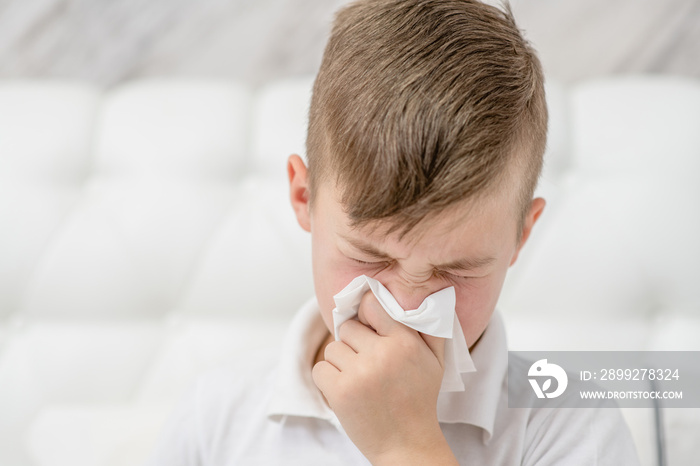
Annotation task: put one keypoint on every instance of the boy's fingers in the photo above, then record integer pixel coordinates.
(367, 305)
(339, 354)
(372, 314)
(324, 375)
(356, 335)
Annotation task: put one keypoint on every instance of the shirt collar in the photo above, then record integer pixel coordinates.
(295, 394)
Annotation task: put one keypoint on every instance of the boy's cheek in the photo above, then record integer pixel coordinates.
(475, 305)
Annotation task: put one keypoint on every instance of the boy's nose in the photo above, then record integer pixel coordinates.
(411, 293)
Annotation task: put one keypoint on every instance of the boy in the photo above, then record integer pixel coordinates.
(426, 134)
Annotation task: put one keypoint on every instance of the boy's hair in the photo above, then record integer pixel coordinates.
(420, 104)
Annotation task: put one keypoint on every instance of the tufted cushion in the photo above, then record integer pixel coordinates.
(147, 237)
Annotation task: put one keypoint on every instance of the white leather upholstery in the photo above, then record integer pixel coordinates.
(146, 236)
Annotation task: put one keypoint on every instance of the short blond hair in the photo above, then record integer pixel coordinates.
(420, 104)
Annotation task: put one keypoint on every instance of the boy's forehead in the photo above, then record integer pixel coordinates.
(472, 221)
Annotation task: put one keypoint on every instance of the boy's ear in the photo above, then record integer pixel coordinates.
(299, 190)
(533, 214)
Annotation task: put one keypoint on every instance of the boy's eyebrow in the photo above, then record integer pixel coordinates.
(466, 263)
(366, 248)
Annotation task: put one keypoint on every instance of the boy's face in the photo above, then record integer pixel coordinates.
(469, 246)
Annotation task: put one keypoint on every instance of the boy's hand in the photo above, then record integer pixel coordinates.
(382, 380)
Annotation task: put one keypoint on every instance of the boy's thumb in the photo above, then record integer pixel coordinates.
(372, 314)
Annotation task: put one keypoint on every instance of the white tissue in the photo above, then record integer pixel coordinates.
(435, 316)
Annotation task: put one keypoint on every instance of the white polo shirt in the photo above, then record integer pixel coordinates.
(271, 412)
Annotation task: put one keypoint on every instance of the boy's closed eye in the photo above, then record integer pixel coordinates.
(374, 266)
(370, 263)
(382, 264)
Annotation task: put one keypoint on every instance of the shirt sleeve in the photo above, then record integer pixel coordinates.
(579, 436)
(178, 443)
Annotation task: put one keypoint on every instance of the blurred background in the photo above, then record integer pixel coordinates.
(146, 237)
(109, 42)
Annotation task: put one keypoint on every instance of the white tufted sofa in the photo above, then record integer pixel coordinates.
(145, 237)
